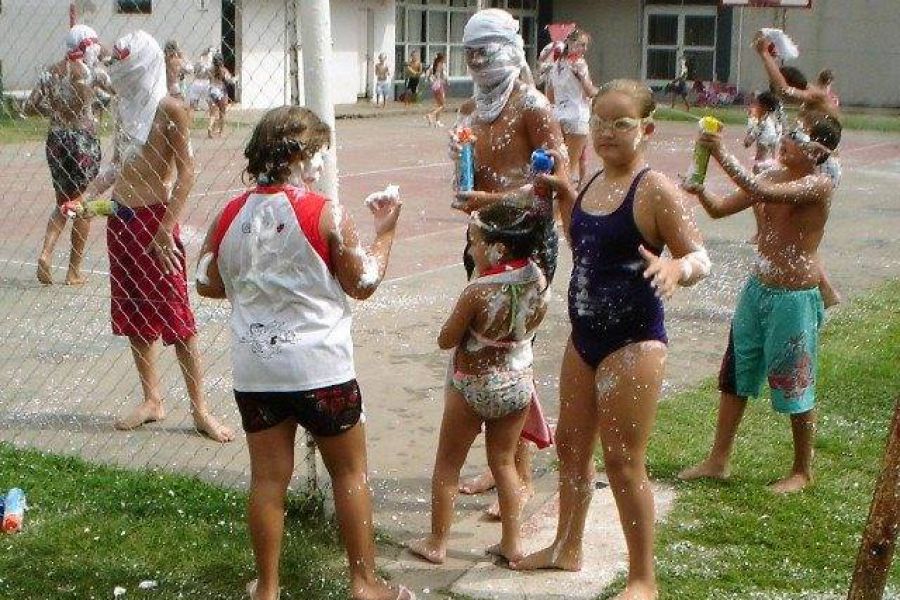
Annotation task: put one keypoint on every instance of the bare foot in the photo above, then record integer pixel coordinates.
(511, 555)
(75, 278)
(548, 558)
(704, 470)
(252, 591)
(146, 412)
(792, 483)
(428, 549)
(382, 591)
(208, 425)
(43, 272)
(493, 511)
(477, 485)
(639, 591)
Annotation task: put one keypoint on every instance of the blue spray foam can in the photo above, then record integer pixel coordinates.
(541, 162)
(466, 167)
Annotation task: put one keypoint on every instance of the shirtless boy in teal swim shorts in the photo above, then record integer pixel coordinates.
(775, 330)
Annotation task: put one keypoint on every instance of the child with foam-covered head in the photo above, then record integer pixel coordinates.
(287, 259)
(490, 381)
(614, 362)
(510, 119)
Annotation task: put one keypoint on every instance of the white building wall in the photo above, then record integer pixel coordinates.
(855, 39)
(264, 81)
(32, 32)
(261, 44)
(615, 28)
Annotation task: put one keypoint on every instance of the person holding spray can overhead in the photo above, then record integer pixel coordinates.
(509, 119)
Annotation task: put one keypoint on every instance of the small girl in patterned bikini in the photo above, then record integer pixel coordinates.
(490, 380)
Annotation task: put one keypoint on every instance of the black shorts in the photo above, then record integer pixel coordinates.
(325, 412)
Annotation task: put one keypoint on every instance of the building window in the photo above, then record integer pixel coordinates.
(673, 31)
(432, 26)
(134, 7)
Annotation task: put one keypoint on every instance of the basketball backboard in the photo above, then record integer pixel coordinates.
(769, 3)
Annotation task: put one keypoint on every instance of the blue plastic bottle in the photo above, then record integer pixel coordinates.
(466, 168)
(541, 162)
(14, 511)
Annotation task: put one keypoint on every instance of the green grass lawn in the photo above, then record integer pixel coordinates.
(738, 540)
(31, 129)
(14, 130)
(93, 528)
(738, 116)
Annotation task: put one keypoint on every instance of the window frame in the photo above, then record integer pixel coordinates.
(120, 7)
(682, 13)
(427, 7)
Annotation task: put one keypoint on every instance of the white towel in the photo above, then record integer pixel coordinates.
(784, 45)
(138, 75)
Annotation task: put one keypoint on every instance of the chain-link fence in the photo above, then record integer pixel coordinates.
(66, 381)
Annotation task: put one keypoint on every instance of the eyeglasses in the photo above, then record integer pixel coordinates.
(799, 136)
(620, 125)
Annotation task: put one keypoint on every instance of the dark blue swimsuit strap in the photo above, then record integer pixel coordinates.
(629, 197)
(632, 191)
(585, 188)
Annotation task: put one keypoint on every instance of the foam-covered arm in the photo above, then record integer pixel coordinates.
(694, 266)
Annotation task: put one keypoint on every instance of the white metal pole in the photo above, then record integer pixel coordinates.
(740, 45)
(293, 49)
(315, 37)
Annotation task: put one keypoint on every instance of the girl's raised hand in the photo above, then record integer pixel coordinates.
(386, 212)
(664, 273)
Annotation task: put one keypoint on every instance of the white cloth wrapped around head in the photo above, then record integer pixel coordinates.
(138, 74)
(82, 43)
(494, 33)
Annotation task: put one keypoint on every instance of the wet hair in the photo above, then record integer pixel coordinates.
(794, 77)
(517, 229)
(171, 48)
(579, 35)
(824, 129)
(825, 77)
(768, 101)
(438, 58)
(639, 92)
(283, 136)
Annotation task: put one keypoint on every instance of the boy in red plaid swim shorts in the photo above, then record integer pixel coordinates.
(148, 288)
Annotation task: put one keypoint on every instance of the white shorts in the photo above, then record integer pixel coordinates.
(198, 90)
(383, 88)
(575, 127)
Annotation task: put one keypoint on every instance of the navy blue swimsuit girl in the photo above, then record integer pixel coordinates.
(611, 305)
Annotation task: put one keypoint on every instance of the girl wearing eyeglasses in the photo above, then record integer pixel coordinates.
(614, 362)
